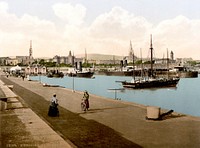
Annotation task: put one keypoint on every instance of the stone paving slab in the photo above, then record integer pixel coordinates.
(45, 134)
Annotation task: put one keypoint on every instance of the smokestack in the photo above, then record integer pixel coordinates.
(80, 66)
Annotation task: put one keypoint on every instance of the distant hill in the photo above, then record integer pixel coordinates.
(100, 57)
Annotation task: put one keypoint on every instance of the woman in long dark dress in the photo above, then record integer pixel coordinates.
(53, 108)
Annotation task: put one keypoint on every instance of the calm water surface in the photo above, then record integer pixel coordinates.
(184, 99)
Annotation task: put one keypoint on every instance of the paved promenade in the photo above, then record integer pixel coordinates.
(21, 127)
(127, 120)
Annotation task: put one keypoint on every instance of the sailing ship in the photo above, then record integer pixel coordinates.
(151, 82)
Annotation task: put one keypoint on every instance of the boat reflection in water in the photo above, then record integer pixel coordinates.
(152, 82)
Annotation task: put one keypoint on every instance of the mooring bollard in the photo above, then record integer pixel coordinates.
(153, 112)
(10, 87)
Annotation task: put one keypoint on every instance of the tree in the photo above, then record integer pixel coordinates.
(192, 63)
(42, 62)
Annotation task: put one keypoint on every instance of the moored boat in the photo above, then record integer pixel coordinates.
(55, 73)
(151, 82)
(118, 73)
(78, 71)
(85, 74)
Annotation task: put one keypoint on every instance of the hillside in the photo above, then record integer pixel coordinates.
(100, 57)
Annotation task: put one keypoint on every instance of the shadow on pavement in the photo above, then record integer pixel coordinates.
(95, 110)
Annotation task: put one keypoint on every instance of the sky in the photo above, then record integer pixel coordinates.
(100, 26)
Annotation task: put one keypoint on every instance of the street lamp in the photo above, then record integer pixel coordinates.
(73, 83)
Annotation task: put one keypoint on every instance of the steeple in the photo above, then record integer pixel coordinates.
(30, 60)
(131, 50)
(70, 53)
(30, 50)
(172, 55)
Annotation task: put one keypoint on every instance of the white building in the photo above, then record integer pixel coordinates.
(35, 70)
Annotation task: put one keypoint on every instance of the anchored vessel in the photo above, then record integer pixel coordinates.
(86, 74)
(55, 73)
(151, 82)
(83, 74)
(79, 72)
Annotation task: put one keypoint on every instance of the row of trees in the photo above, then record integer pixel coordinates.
(54, 64)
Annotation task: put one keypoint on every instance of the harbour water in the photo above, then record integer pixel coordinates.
(185, 98)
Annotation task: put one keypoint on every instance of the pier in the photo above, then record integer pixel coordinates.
(108, 123)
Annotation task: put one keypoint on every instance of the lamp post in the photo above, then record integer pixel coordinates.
(73, 83)
(115, 91)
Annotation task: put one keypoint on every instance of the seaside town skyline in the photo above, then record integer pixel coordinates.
(57, 27)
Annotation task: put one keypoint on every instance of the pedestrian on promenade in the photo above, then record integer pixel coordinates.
(23, 76)
(53, 108)
(7, 74)
(86, 99)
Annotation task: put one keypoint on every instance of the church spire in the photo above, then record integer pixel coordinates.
(30, 60)
(131, 50)
(70, 53)
(30, 50)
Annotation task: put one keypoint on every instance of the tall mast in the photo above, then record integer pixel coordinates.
(141, 63)
(167, 64)
(73, 59)
(85, 56)
(132, 52)
(151, 48)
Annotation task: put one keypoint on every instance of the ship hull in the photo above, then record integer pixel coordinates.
(180, 74)
(151, 84)
(82, 74)
(85, 74)
(56, 75)
(119, 73)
